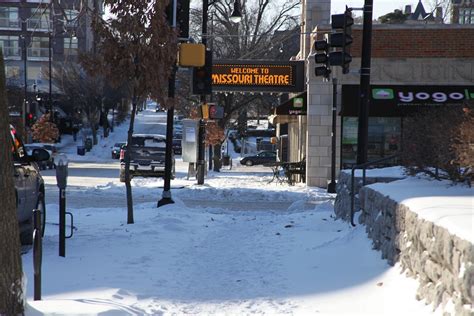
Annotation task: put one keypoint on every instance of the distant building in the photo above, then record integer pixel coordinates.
(462, 12)
(27, 31)
(420, 16)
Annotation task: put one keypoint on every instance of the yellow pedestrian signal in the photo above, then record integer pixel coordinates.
(205, 111)
(191, 55)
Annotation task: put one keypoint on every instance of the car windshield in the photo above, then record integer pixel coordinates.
(148, 142)
(49, 147)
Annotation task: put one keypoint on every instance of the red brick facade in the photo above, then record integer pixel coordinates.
(441, 42)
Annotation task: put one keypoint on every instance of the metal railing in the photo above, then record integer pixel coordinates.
(364, 168)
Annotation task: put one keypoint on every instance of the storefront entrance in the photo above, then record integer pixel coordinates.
(388, 106)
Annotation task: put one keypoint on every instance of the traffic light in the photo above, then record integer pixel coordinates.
(216, 112)
(322, 57)
(29, 119)
(182, 17)
(202, 77)
(341, 39)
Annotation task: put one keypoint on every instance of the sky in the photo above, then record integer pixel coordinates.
(381, 7)
(237, 245)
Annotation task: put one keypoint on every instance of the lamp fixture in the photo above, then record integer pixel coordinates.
(236, 16)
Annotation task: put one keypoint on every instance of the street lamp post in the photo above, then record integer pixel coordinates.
(25, 83)
(50, 46)
(51, 116)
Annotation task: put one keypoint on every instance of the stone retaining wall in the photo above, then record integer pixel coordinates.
(442, 263)
(342, 205)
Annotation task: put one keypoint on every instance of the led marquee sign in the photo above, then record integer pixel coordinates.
(258, 76)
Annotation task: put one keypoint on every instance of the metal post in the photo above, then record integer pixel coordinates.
(332, 185)
(61, 179)
(166, 195)
(363, 126)
(62, 222)
(37, 253)
(202, 127)
(25, 78)
(210, 157)
(51, 114)
(200, 161)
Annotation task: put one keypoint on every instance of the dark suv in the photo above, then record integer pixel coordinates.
(29, 186)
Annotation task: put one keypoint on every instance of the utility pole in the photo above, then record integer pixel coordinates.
(363, 126)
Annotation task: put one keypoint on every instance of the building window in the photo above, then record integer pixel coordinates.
(466, 16)
(39, 48)
(9, 18)
(383, 139)
(10, 47)
(39, 19)
(71, 46)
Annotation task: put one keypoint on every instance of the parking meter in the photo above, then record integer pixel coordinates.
(61, 171)
(61, 179)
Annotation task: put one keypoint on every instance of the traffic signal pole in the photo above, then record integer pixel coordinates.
(166, 195)
(363, 126)
(201, 166)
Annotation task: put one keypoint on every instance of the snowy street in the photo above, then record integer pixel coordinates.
(237, 245)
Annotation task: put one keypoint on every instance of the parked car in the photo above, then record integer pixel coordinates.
(147, 156)
(50, 148)
(259, 159)
(116, 150)
(29, 185)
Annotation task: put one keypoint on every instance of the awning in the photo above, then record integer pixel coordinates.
(403, 100)
(294, 106)
(282, 119)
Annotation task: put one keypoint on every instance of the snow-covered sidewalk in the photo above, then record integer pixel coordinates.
(236, 245)
(205, 260)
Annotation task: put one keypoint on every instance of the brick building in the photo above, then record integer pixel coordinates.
(462, 11)
(27, 30)
(416, 60)
(421, 58)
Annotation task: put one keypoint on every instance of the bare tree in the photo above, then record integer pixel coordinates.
(82, 91)
(11, 291)
(137, 47)
(446, 9)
